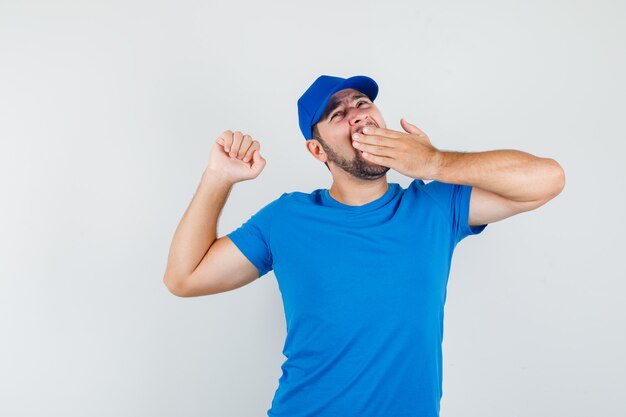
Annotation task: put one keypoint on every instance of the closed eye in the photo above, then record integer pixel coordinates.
(341, 112)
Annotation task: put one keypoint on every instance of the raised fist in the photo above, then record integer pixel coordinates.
(236, 157)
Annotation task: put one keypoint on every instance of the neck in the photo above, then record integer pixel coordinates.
(357, 192)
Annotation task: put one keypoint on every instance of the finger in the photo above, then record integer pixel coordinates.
(237, 137)
(375, 149)
(381, 131)
(245, 144)
(254, 146)
(227, 138)
(373, 139)
(411, 128)
(380, 160)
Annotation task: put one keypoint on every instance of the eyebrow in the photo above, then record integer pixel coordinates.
(334, 103)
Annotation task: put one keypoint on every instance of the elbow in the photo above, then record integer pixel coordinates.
(175, 286)
(555, 179)
(559, 177)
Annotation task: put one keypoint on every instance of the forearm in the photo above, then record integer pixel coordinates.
(512, 174)
(197, 230)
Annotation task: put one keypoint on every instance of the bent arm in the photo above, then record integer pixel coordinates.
(512, 174)
(506, 182)
(197, 230)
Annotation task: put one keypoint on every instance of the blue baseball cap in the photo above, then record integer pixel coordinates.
(313, 102)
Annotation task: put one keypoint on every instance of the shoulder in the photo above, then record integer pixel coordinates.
(416, 184)
(430, 189)
(281, 203)
(441, 194)
(441, 190)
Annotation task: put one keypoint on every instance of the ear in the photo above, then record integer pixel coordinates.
(315, 149)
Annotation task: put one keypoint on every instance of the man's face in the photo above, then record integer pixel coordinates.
(347, 112)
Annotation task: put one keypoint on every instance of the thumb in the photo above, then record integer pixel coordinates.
(258, 162)
(410, 128)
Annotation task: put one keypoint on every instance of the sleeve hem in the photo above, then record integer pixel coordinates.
(467, 229)
(240, 242)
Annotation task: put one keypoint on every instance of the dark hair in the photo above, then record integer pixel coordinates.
(316, 135)
(315, 132)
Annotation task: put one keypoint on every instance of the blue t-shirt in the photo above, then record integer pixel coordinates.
(363, 289)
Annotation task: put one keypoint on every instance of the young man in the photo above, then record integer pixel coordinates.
(363, 266)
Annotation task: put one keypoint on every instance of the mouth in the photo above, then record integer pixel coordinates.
(360, 128)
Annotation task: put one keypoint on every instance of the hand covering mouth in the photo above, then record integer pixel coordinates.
(359, 129)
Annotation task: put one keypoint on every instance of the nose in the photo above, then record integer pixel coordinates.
(358, 116)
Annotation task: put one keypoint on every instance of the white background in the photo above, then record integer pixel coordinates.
(108, 111)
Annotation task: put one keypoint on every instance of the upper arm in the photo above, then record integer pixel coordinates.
(222, 269)
(487, 207)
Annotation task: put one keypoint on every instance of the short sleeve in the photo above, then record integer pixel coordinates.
(454, 200)
(253, 238)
